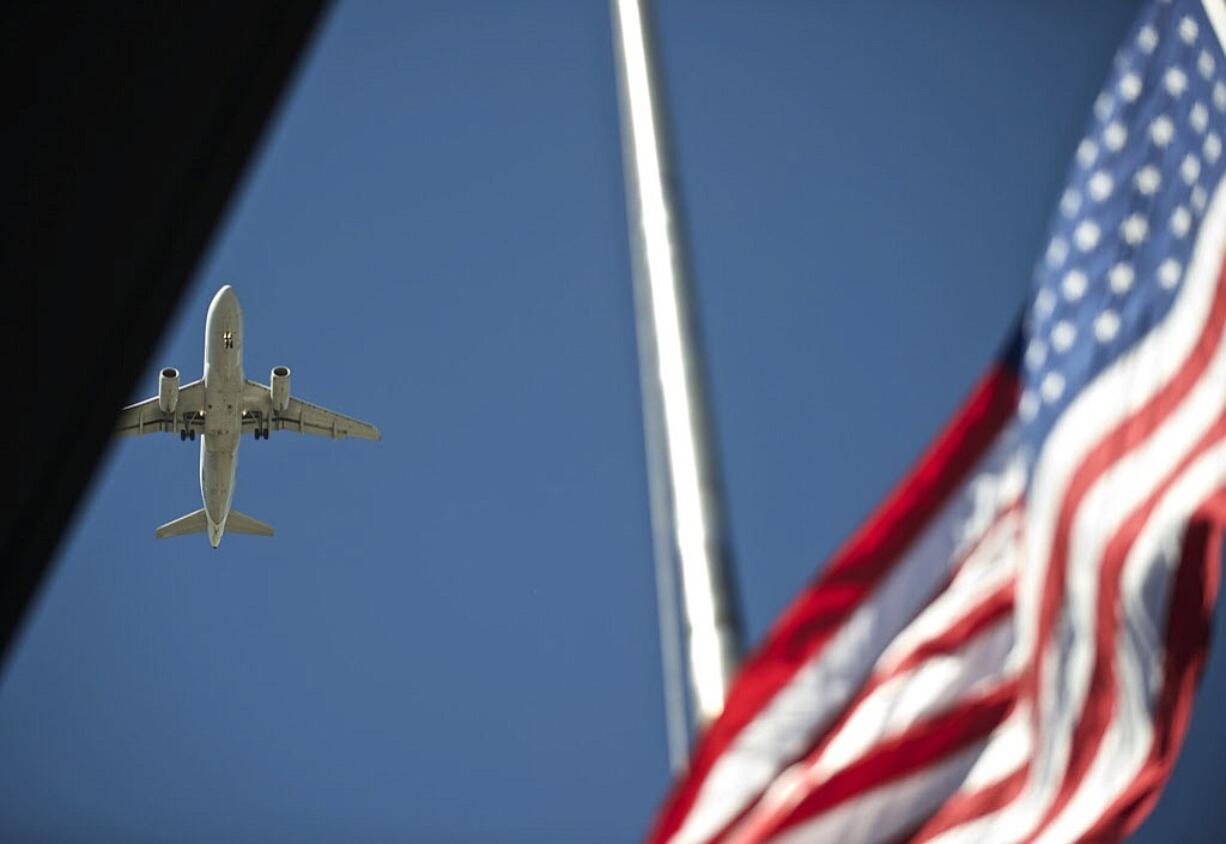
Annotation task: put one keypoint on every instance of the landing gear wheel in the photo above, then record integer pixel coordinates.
(191, 435)
(183, 435)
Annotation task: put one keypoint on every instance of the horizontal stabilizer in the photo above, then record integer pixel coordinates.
(238, 522)
(195, 522)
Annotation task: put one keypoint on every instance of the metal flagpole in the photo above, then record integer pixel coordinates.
(686, 499)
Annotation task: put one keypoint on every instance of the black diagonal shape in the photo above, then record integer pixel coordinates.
(128, 127)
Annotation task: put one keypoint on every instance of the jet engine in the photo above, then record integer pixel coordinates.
(278, 386)
(168, 390)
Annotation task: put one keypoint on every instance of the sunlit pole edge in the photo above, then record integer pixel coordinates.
(685, 490)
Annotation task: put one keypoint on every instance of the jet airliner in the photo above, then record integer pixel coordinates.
(221, 407)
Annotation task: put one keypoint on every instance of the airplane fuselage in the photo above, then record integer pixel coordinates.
(223, 402)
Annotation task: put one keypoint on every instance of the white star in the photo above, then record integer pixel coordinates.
(1199, 198)
(1130, 86)
(1190, 168)
(1121, 277)
(1044, 303)
(1086, 235)
(1087, 151)
(1134, 228)
(1148, 180)
(1188, 30)
(1100, 186)
(1162, 130)
(1181, 221)
(1114, 136)
(1057, 251)
(1219, 96)
(1102, 106)
(1205, 64)
(1063, 335)
(1169, 272)
(1028, 405)
(1106, 326)
(1036, 353)
(1175, 81)
(1052, 387)
(1147, 39)
(1074, 285)
(1212, 148)
(1070, 202)
(1198, 118)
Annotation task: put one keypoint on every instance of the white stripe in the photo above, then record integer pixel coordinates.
(934, 686)
(885, 813)
(992, 565)
(1215, 10)
(1008, 749)
(786, 727)
(1122, 389)
(1148, 577)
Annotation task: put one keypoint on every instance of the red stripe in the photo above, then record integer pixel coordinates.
(849, 579)
(996, 605)
(989, 612)
(922, 746)
(1102, 696)
(1119, 441)
(1189, 619)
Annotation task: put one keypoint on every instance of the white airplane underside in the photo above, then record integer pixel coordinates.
(220, 408)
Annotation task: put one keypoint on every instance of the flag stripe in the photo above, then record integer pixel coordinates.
(1131, 731)
(989, 616)
(888, 813)
(800, 638)
(1187, 640)
(892, 759)
(1101, 699)
(969, 806)
(983, 567)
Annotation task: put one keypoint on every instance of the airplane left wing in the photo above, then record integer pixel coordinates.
(300, 416)
(147, 417)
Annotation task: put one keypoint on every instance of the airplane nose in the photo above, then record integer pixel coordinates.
(225, 301)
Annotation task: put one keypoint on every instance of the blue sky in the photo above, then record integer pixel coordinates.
(452, 637)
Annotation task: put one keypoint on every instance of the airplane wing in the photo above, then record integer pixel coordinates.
(300, 416)
(147, 418)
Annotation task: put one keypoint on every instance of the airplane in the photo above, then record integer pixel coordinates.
(220, 407)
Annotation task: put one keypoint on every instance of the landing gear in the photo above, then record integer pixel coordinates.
(261, 432)
(183, 435)
(191, 435)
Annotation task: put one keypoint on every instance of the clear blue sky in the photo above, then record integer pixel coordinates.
(452, 637)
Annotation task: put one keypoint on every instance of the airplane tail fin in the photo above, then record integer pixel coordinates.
(191, 523)
(238, 522)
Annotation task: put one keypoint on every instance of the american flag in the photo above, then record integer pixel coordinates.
(1007, 650)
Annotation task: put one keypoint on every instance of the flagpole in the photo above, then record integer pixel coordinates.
(683, 474)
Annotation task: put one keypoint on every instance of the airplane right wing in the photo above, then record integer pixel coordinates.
(300, 416)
